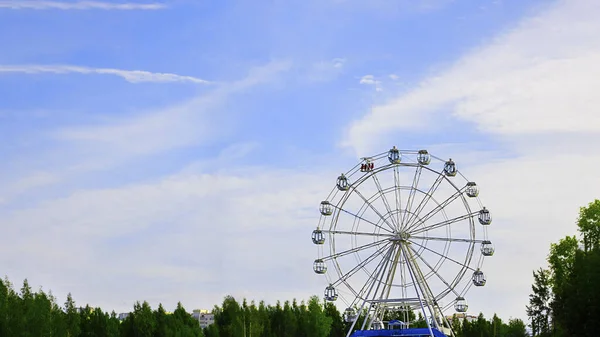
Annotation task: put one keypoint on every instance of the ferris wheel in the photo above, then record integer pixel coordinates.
(403, 230)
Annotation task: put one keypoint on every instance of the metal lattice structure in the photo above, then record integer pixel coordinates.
(402, 231)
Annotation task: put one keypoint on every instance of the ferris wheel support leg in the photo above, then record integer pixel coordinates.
(375, 279)
(418, 295)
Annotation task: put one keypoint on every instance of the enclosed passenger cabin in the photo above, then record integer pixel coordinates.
(326, 208)
(394, 156)
(350, 315)
(472, 189)
(450, 168)
(342, 183)
(460, 304)
(318, 237)
(487, 249)
(478, 278)
(485, 217)
(330, 293)
(423, 157)
(319, 266)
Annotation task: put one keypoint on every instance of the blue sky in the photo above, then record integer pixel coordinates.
(146, 115)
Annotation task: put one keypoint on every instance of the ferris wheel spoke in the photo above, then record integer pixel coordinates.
(433, 270)
(444, 223)
(374, 209)
(357, 233)
(424, 201)
(398, 195)
(381, 266)
(354, 250)
(436, 209)
(442, 255)
(384, 199)
(362, 264)
(365, 220)
(446, 239)
(413, 192)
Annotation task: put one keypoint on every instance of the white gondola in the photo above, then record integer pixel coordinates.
(487, 249)
(394, 156)
(423, 157)
(318, 237)
(478, 278)
(450, 168)
(330, 293)
(460, 304)
(485, 217)
(350, 315)
(342, 183)
(319, 266)
(472, 190)
(326, 208)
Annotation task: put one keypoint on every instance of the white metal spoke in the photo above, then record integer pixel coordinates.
(436, 209)
(357, 233)
(443, 256)
(433, 270)
(398, 195)
(413, 191)
(373, 208)
(424, 201)
(443, 223)
(446, 239)
(354, 250)
(363, 219)
(363, 263)
(384, 199)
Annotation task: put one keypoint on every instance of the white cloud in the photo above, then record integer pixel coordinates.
(186, 237)
(531, 91)
(149, 132)
(537, 78)
(80, 5)
(133, 76)
(370, 80)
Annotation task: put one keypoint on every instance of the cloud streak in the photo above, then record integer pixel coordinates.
(133, 76)
(80, 5)
(534, 79)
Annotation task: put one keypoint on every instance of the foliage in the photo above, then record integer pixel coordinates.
(539, 303)
(29, 313)
(573, 279)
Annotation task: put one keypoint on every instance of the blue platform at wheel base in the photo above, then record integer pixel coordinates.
(416, 332)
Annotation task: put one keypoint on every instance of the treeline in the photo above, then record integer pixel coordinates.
(565, 298)
(494, 327)
(33, 314)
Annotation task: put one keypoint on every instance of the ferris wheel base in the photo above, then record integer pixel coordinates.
(416, 332)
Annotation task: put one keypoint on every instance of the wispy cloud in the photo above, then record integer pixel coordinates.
(133, 76)
(370, 80)
(80, 5)
(533, 79)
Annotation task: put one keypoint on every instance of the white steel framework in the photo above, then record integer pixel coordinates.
(402, 230)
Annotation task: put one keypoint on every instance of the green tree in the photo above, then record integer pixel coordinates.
(318, 324)
(538, 309)
(589, 225)
(72, 318)
(337, 323)
(516, 328)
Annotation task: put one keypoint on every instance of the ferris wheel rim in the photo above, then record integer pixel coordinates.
(354, 187)
(383, 232)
